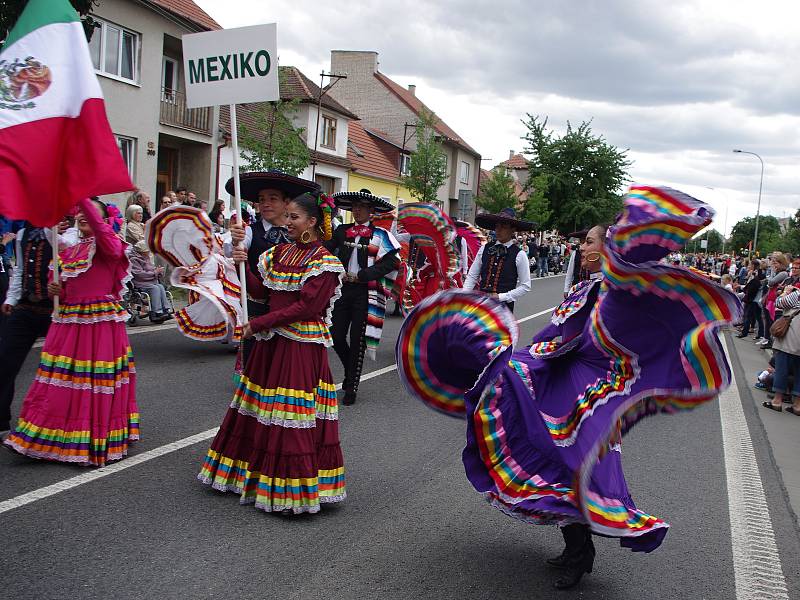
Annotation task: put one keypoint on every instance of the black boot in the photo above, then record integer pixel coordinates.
(577, 558)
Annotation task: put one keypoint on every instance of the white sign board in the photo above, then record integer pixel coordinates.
(704, 244)
(231, 66)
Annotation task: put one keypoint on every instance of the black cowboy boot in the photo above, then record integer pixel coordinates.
(577, 558)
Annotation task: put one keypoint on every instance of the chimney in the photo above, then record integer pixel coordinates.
(510, 154)
(356, 64)
(412, 88)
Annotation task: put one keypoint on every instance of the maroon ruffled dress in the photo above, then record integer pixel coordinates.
(278, 446)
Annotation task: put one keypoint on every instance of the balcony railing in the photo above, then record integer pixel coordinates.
(175, 113)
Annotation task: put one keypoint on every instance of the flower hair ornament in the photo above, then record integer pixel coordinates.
(326, 205)
(114, 217)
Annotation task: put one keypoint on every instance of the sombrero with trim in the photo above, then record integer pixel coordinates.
(255, 181)
(345, 200)
(507, 215)
(580, 234)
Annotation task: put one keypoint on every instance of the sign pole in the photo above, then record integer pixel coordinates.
(54, 234)
(237, 205)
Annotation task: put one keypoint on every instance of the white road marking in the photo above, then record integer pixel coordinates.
(756, 562)
(135, 330)
(132, 461)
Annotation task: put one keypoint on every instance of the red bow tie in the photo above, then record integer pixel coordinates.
(359, 231)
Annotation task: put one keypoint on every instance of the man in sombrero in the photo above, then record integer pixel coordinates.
(270, 192)
(369, 256)
(501, 268)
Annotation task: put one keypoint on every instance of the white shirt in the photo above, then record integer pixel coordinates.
(464, 256)
(68, 238)
(523, 275)
(227, 246)
(570, 271)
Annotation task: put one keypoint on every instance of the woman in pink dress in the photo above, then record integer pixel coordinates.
(81, 407)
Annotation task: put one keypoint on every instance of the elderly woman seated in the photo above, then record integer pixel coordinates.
(145, 278)
(134, 225)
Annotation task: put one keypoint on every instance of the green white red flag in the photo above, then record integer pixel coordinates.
(56, 145)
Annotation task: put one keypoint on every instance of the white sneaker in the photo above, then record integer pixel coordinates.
(760, 340)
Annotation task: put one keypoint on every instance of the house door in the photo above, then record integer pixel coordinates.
(166, 175)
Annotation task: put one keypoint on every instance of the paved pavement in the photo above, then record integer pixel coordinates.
(411, 527)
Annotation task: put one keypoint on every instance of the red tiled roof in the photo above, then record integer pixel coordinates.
(370, 154)
(329, 159)
(189, 11)
(516, 162)
(417, 106)
(296, 85)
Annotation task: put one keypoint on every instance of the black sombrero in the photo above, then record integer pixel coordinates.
(345, 201)
(507, 215)
(253, 182)
(580, 234)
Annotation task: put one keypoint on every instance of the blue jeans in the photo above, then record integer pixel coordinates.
(542, 266)
(158, 296)
(786, 363)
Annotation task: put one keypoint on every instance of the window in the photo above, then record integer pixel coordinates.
(405, 164)
(115, 51)
(169, 79)
(127, 148)
(329, 133)
(464, 176)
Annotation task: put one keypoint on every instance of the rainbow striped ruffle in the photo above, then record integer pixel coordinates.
(91, 312)
(99, 376)
(286, 407)
(273, 494)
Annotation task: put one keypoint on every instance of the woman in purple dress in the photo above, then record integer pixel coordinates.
(545, 423)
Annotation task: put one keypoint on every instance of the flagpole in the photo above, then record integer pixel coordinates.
(237, 205)
(54, 232)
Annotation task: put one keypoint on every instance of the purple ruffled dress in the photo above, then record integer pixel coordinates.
(544, 423)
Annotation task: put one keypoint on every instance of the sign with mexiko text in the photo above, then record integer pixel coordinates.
(231, 66)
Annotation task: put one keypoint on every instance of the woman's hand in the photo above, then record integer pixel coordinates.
(239, 255)
(54, 289)
(247, 331)
(237, 231)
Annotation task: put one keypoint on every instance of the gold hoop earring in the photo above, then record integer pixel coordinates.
(593, 256)
(305, 237)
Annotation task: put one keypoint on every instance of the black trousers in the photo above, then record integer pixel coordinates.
(254, 309)
(350, 317)
(19, 333)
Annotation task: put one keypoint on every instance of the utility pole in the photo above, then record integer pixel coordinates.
(322, 92)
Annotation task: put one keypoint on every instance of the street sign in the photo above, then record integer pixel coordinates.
(231, 66)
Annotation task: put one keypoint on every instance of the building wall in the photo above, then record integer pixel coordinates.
(362, 94)
(380, 187)
(133, 109)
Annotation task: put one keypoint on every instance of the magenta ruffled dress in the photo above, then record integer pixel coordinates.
(81, 407)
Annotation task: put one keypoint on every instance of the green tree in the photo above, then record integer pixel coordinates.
(769, 234)
(714, 238)
(497, 192)
(427, 169)
(584, 173)
(10, 10)
(537, 205)
(274, 142)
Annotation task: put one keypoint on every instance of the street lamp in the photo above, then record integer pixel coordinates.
(758, 209)
(725, 227)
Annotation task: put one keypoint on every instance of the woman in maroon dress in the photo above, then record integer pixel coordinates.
(278, 446)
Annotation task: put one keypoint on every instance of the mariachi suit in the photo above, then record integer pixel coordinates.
(351, 310)
(500, 269)
(261, 240)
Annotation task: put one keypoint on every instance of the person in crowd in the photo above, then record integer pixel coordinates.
(81, 408)
(727, 283)
(134, 224)
(27, 307)
(545, 422)
(191, 199)
(369, 255)
(166, 201)
(501, 269)
(202, 205)
(786, 350)
(174, 195)
(271, 191)
(182, 195)
(752, 309)
(142, 199)
(8, 233)
(575, 274)
(779, 272)
(219, 209)
(278, 445)
(146, 277)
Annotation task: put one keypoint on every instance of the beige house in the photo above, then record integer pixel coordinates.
(137, 54)
(384, 105)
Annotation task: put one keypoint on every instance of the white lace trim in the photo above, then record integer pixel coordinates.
(270, 507)
(97, 389)
(325, 267)
(76, 320)
(274, 420)
(40, 454)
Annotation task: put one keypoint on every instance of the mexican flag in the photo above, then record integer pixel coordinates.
(56, 145)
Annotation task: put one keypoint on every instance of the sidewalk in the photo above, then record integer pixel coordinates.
(782, 428)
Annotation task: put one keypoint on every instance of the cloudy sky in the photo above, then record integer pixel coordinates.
(679, 84)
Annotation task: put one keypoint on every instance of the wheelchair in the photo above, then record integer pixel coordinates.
(137, 302)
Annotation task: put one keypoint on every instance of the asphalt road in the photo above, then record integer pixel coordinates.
(412, 527)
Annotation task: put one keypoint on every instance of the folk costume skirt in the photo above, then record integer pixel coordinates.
(278, 445)
(81, 407)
